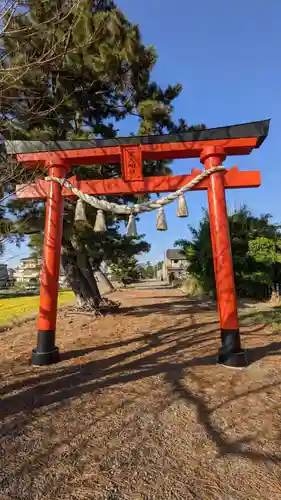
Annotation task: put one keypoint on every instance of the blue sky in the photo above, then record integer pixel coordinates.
(227, 57)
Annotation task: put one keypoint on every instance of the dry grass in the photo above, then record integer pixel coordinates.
(139, 410)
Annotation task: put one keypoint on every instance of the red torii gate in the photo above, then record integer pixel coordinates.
(212, 146)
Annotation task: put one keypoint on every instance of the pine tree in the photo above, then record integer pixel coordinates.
(73, 70)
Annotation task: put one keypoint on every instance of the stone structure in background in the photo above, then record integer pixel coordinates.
(174, 266)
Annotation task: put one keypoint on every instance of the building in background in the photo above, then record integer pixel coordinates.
(175, 266)
(28, 272)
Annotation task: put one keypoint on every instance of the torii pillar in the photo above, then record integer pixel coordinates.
(46, 351)
(230, 352)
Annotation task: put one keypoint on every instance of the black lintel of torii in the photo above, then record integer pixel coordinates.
(257, 129)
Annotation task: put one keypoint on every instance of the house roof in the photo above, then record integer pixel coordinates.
(174, 254)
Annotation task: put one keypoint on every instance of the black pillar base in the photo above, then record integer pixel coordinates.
(231, 354)
(45, 358)
(46, 353)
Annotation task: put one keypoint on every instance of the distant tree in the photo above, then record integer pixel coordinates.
(126, 270)
(149, 270)
(9, 230)
(159, 265)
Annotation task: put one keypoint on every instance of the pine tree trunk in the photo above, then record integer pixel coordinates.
(86, 271)
(82, 281)
(80, 277)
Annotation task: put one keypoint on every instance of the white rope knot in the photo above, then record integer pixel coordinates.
(149, 206)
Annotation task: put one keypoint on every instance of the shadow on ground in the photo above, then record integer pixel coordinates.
(68, 382)
(72, 381)
(162, 353)
(177, 307)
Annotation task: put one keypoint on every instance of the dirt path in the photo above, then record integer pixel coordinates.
(138, 409)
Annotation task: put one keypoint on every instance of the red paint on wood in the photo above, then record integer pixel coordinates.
(165, 151)
(52, 250)
(92, 156)
(222, 256)
(233, 179)
(131, 163)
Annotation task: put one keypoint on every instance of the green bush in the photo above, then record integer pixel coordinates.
(191, 287)
(256, 252)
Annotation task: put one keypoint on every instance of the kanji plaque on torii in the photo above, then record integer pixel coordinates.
(212, 146)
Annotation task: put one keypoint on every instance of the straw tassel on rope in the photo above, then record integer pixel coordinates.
(161, 224)
(100, 226)
(182, 210)
(132, 227)
(80, 214)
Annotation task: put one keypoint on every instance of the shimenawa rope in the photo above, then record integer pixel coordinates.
(149, 206)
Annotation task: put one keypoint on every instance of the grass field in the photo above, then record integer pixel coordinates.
(18, 307)
(270, 316)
